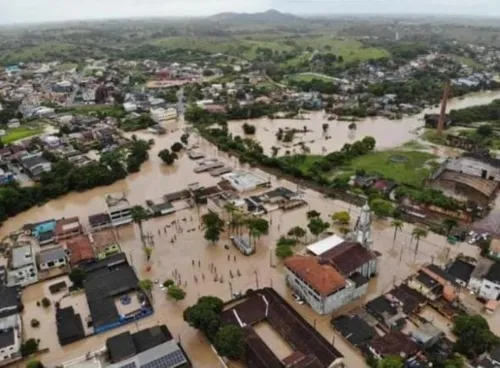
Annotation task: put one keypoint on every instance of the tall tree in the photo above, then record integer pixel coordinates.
(398, 226)
(139, 215)
(391, 362)
(230, 342)
(146, 285)
(176, 293)
(297, 232)
(317, 226)
(417, 234)
(473, 336)
(230, 208)
(449, 224)
(257, 227)
(213, 226)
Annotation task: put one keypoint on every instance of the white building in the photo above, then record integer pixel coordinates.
(339, 271)
(22, 268)
(10, 326)
(119, 209)
(490, 284)
(218, 203)
(486, 168)
(243, 181)
(161, 114)
(129, 106)
(52, 258)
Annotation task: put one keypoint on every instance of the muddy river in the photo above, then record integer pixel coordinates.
(388, 133)
(398, 260)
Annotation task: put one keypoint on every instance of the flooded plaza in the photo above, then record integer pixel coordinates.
(387, 133)
(205, 269)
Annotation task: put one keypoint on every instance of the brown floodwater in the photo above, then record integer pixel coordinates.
(388, 133)
(398, 260)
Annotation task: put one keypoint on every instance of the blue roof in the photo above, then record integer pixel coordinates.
(44, 227)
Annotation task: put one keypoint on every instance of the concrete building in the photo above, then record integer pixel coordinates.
(340, 270)
(10, 326)
(490, 285)
(159, 115)
(471, 176)
(105, 243)
(34, 164)
(218, 204)
(119, 209)
(52, 258)
(68, 228)
(22, 266)
(243, 181)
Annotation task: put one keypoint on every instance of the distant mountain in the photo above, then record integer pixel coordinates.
(267, 17)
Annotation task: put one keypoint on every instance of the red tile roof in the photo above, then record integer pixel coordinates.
(322, 278)
(347, 257)
(80, 248)
(394, 343)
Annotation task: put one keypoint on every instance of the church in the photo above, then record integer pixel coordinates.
(335, 271)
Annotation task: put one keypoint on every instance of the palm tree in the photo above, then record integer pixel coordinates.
(418, 233)
(398, 226)
(230, 210)
(449, 224)
(139, 215)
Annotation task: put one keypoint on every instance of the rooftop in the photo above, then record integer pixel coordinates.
(324, 279)
(103, 239)
(461, 270)
(117, 201)
(354, 329)
(394, 343)
(7, 338)
(80, 249)
(67, 225)
(9, 299)
(325, 244)
(494, 273)
(51, 255)
(347, 257)
(166, 355)
(267, 304)
(22, 256)
(99, 218)
(69, 326)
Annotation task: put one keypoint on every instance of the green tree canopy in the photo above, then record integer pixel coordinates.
(391, 362)
(230, 342)
(381, 207)
(342, 217)
(77, 275)
(167, 157)
(204, 316)
(297, 232)
(283, 251)
(176, 147)
(176, 293)
(317, 226)
(473, 336)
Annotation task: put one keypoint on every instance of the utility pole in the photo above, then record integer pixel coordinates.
(432, 259)
(333, 339)
(256, 278)
(271, 282)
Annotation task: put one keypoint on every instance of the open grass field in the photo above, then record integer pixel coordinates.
(16, 134)
(413, 171)
(351, 50)
(307, 77)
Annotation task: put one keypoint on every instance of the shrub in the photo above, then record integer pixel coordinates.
(35, 323)
(46, 302)
(168, 282)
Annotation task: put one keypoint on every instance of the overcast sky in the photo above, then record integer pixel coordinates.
(22, 11)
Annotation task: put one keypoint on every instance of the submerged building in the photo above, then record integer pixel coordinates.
(338, 271)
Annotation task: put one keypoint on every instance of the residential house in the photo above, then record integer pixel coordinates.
(354, 329)
(146, 348)
(80, 250)
(476, 277)
(99, 221)
(52, 258)
(387, 311)
(119, 209)
(22, 266)
(160, 114)
(394, 343)
(490, 285)
(461, 271)
(10, 325)
(68, 228)
(427, 335)
(44, 231)
(425, 285)
(35, 164)
(105, 243)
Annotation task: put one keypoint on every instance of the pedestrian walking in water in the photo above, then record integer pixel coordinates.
(199, 264)
(235, 258)
(228, 257)
(192, 262)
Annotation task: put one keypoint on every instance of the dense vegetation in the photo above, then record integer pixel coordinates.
(66, 177)
(480, 113)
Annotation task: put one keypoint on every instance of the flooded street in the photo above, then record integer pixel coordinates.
(388, 133)
(197, 262)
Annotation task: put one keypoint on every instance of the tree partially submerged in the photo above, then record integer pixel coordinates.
(230, 342)
(473, 336)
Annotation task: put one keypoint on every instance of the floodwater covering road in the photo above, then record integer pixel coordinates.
(260, 269)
